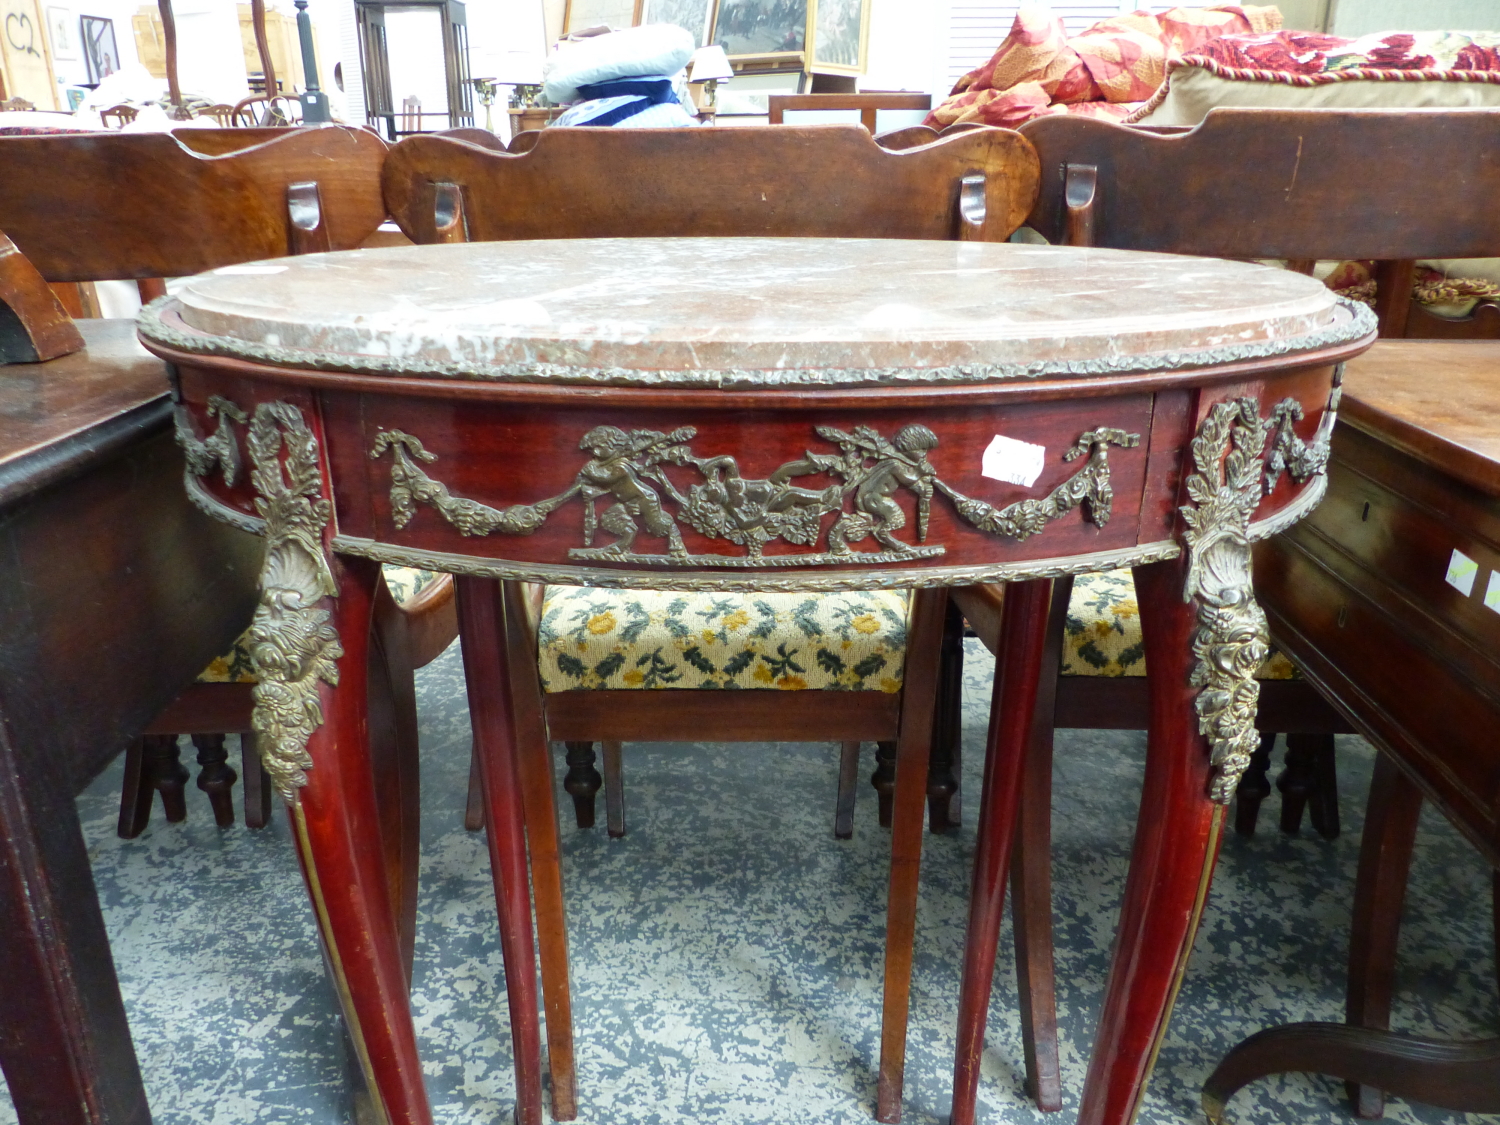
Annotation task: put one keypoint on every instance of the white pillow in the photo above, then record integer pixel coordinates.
(655, 49)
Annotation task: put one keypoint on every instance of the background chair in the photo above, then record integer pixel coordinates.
(879, 111)
(830, 181)
(417, 604)
(260, 110)
(146, 206)
(118, 116)
(1250, 184)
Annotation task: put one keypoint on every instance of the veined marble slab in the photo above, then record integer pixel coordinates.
(752, 311)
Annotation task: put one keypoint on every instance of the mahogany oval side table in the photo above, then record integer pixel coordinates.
(822, 415)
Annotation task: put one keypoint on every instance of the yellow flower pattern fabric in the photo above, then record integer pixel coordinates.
(234, 666)
(1103, 633)
(591, 639)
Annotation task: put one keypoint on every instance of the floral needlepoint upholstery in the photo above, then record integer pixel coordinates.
(591, 639)
(1307, 70)
(1103, 633)
(234, 666)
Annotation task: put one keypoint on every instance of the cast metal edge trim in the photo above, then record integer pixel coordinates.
(1361, 322)
(759, 580)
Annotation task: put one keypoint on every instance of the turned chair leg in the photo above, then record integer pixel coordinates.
(1296, 783)
(1309, 781)
(215, 777)
(1254, 786)
(843, 808)
(582, 781)
(167, 774)
(152, 766)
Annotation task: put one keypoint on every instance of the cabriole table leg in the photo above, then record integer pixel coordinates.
(1176, 843)
(310, 643)
(333, 818)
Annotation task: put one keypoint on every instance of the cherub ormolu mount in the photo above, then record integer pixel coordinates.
(625, 470)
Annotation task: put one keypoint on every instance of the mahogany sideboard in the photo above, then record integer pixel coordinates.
(114, 593)
(1388, 597)
(828, 414)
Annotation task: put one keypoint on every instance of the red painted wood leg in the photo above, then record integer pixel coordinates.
(1018, 668)
(481, 624)
(1176, 843)
(914, 744)
(337, 824)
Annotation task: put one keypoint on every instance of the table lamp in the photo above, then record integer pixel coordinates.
(708, 67)
(522, 71)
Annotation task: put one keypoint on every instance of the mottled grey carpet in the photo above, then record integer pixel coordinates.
(726, 953)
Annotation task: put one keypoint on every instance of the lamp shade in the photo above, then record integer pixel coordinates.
(709, 63)
(518, 68)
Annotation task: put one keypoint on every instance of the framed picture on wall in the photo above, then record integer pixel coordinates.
(62, 33)
(99, 50)
(840, 36)
(581, 14)
(761, 27)
(694, 15)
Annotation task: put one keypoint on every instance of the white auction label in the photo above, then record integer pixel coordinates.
(1014, 462)
(1462, 571)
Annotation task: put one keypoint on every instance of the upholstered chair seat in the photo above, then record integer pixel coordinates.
(649, 639)
(1102, 636)
(220, 703)
(234, 666)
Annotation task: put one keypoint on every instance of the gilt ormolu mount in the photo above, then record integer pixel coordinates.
(625, 470)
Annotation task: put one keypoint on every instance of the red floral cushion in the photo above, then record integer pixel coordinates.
(1407, 68)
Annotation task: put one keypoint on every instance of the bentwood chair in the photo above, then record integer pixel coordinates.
(1297, 186)
(837, 667)
(146, 206)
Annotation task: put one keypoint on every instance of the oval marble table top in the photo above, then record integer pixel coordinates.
(751, 311)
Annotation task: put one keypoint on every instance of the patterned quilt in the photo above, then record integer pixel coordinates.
(1108, 71)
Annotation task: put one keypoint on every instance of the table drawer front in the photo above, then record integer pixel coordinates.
(828, 490)
(1389, 668)
(809, 491)
(1402, 529)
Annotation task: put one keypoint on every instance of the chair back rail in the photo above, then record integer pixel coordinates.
(823, 180)
(100, 206)
(1294, 184)
(868, 104)
(216, 142)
